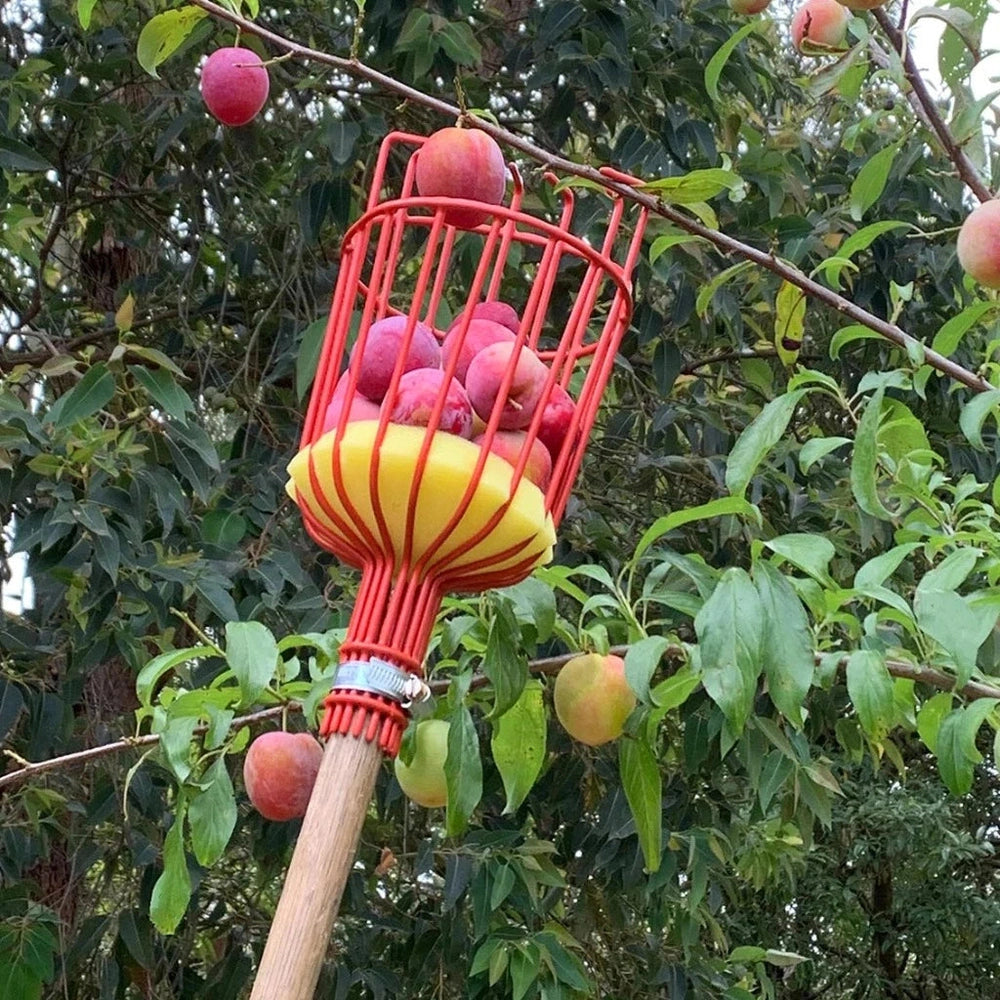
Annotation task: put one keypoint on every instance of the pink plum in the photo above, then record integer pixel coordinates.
(414, 401)
(556, 419)
(382, 348)
(234, 85)
(820, 23)
(486, 374)
(462, 163)
(509, 445)
(495, 311)
(979, 244)
(358, 408)
(279, 772)
(481, 333)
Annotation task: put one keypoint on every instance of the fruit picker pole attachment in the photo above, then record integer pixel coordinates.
(421, 502)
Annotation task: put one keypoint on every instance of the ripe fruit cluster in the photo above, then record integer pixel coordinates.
(482, 347)
(279, 772)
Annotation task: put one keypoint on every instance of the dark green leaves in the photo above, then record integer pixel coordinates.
(463, 770)
(786, 642)
(870, 688)
(642, 783)
(759, 437)
(92, 393)
(252, 655)
(172, 890)
(730, 629)
(864, 462)
(518, 744)
(504, 662)
(212, 814)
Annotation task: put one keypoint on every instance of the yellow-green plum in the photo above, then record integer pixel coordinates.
(979, 244)
(422, 780)
(279, 772)
(748, 6)
(592, 698)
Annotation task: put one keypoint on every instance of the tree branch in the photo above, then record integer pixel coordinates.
(676, 655)
(724, 243)
(966, 170)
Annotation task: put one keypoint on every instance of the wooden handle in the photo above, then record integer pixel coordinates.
(323, 858)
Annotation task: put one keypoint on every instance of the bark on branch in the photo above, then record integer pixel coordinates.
(726, 244)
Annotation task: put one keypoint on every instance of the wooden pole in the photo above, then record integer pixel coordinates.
(323, 858)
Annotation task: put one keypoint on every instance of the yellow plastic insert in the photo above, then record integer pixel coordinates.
(525, 526)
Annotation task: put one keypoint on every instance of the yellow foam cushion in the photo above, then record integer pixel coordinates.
(422, 510)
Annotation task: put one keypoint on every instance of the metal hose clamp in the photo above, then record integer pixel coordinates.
(381, 677)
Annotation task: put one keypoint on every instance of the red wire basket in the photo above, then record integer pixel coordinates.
(419, 510)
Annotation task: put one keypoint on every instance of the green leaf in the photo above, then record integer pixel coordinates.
(949, 336)
(518, 744)
(460, 44)
(164, 34)
(524, 962)
(848, 334)
(84, 10)
(92, 393)
(864, 461)
(503, 661)
(694, 186)
(463, 771)
(223, 528)
(730, 627)
(876, 571)
(662, 244)
(974, 415)
(252, 654)
(869, 687)
(855, 243)
(758, 438)
(714, 508)
(709, 289)
(164, 390)
(535, 602)
(643, 787)
(816, 448)
(158, 667)
(674, 691)
(957, 752)
(931, 715)
(172, 890)
(641, 661)
(786, 646)
(810, 553)
(18, 157)
(868, 185)
(955, 625)
(212, 814)
(721, 56)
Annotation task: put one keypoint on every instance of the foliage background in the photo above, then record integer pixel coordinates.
(163, 284)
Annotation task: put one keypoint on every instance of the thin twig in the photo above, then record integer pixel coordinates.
(964, 166)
